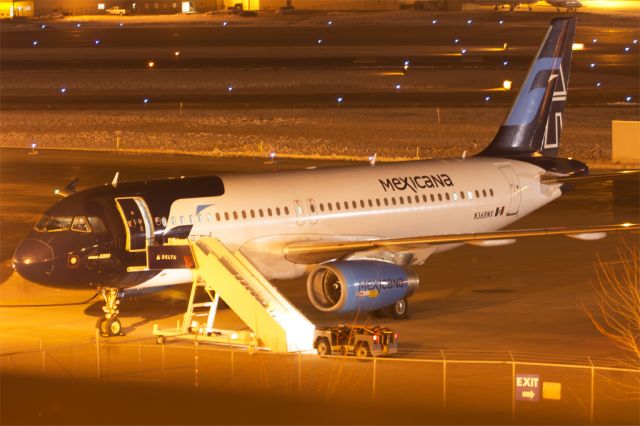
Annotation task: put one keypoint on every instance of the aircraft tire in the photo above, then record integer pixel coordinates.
(101, 325)
(400, 309)
(114, 327)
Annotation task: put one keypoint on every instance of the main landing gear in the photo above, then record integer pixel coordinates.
(110, 325)
(399, 310)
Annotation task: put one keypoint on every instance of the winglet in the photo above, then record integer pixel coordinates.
(69, 189)
(114, 182)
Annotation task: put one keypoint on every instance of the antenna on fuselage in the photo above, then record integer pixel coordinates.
(373, 158)
(114, 182)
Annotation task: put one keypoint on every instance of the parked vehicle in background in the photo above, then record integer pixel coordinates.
(115, 10)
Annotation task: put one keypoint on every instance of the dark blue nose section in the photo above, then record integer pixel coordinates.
(33, 260)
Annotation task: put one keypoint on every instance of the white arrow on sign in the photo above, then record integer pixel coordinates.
(528, 394)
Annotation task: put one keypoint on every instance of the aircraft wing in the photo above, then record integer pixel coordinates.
(552, 178)
(308, 252)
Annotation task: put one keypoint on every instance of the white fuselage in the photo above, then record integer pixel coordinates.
(260, 214)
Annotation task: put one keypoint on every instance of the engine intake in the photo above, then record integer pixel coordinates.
(365, 285)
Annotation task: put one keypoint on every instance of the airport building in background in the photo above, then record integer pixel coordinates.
(152, 7)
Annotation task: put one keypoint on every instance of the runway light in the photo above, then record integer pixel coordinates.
(592, 65)
(635, 41)
(487, 98)
(225, 23)
(176, 53)
(469, 21)
(594, 41)
(506, 85)
(463, 51)
(434, 22)
(627, 49)
(230, 89)
(319, 41)
(43, 26)
(340, 99)
(330, 22)
(63, 90)
(97, 42)
(577, 46)
(405, 65)
(35, 42)
(598, 84)
(145, 100)
(628, 99)
(456, 40)
(121, 24)
(272, 155)
(500, 22)
(398, 87)
(78, 25)
(505, 63)
(151, 64)
(505, 46)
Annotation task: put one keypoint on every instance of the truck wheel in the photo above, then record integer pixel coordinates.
(323, 347)
(362, 351)
(399, 309)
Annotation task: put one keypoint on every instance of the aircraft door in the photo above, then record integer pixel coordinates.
(138, 222)
(514, 189)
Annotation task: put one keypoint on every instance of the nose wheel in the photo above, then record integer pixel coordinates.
(110, 325)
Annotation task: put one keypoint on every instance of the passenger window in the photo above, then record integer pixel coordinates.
(433, 198)
(338, 206)
(312, 207)
(408, 199)
(190, 218)
(455, 196)
(235, 215)
(417, 199)
(362, 203)
(278, 211)
(401, 199)
(470, 195)
(484, 192)
(260, 212)
(354, 204)
(80, 224)
(346, 205)
(462, 194)
(370, 202)
(244, 214)
(226, 215)
(447, 196)
(97, 226)
(329, 207)
(393, 200)
(424, 198)
(386, 202)
(378, 202)
(491, 192)
(286, 210)
(181, 220)
(209, 218)
(321, 207)
(439, 196)
(199, 218)
(269, 212)
(218, 217)
(252, 213)
(173, 220)
(477, 194)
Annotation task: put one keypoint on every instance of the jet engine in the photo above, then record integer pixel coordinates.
(366, 285)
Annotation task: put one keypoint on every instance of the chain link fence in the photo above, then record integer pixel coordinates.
(501, 387)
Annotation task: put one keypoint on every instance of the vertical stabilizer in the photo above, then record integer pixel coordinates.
(534, 123)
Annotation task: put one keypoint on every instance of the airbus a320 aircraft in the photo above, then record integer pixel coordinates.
(354, 230)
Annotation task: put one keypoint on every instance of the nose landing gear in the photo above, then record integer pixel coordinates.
(110, 325)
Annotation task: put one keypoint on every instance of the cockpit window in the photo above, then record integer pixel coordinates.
(42, 223)
(80, 224)
(56, 223)
(96, 224)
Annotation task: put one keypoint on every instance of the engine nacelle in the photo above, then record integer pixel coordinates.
(367, 285)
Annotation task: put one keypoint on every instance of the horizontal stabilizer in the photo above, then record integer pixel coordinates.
(552, 178)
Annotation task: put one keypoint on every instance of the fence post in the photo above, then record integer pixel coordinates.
(592, 391)
(373, 389)
(195, 360)
(139, 359)
(43, 359)
(513, 386)
(232, 351)
(444, 380)
(98, 352)
(162, 379)
(299, 373)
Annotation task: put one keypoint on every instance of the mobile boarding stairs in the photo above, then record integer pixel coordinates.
(274, 323)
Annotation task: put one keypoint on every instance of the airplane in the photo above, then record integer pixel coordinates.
(570, 5)
(512, 5)
(353, 230)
